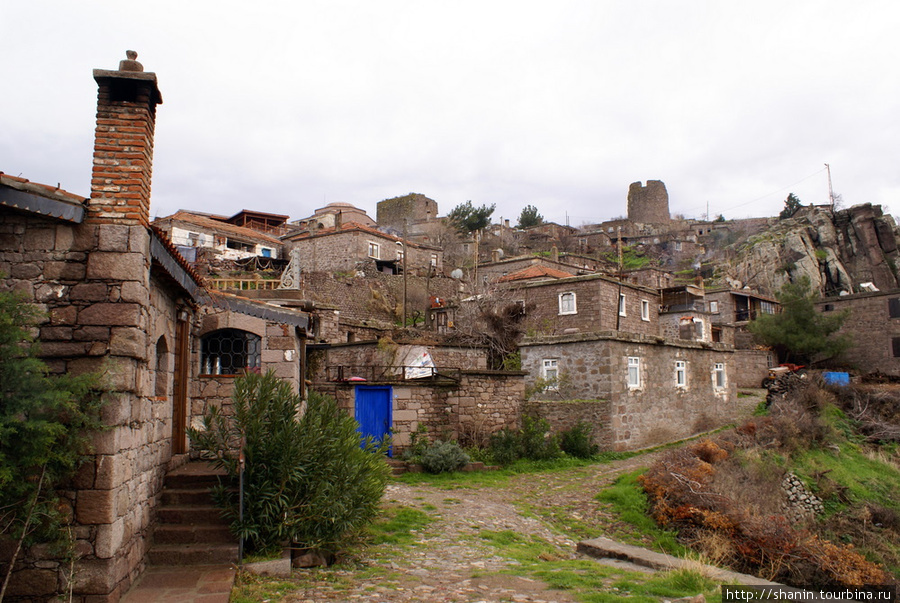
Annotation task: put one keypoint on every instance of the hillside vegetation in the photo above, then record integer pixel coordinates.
(803, 494)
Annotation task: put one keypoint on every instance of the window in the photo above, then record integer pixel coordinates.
(434, 260)
(766, 307)
(374, 250)
(677, 245)
(634, 372)
(714, 307)
(194, 239)
(622, 304)
(161, 386)
(895, 342)
(680, 373)
(645, 309)
(229, 352)
(894, 307)
(550, 373)
(828, 308)
(266, 252)
(567, 303)
(399, 255)
(719, 375)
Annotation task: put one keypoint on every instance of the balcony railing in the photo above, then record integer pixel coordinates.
(244, 284)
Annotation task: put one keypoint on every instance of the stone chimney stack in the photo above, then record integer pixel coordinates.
(123, 144)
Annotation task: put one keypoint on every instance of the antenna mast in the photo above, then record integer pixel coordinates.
(830, 190)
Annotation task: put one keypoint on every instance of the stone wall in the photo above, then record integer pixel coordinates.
(648, 204)
(752, 366)
(348, 251)
(872, 331)
(564, 415)
(483, 402)
(596, 305)
(400, 211)
(656, 411)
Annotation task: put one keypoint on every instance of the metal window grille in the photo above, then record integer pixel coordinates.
(229, 352)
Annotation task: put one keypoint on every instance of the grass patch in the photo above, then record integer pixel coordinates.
(461, 480)
(249, 588)
(588, 580)
(399, 526)
(629, 502)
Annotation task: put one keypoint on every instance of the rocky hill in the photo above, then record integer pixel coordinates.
(838, 251)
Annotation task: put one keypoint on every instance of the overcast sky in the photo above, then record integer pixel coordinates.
(287, 106)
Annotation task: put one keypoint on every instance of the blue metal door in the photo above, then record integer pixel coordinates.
(373, 411)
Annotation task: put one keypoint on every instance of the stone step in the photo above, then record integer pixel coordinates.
(193, 554)
(186, 496)
(192, 534)
(190, 515)
(195, 477)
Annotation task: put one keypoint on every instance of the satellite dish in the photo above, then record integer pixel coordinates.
(456, 274)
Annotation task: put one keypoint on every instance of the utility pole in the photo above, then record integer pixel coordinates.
(405, 253)
(830, 190)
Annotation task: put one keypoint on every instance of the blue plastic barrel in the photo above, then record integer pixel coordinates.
(837, 378)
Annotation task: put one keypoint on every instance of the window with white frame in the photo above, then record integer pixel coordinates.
(634, 372)
(677, 245)
(622, 304)
(645, 309)
(567, 303)
(719, 375)
(434, 259)
(374, 250)
(714, 307)
(680, 373)
(550, 373)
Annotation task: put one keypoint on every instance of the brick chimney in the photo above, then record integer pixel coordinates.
(123, 144)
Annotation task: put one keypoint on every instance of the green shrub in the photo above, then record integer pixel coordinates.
(534, 441)
(442, 457)
(506, 446)
(307, 480)
(538, 444)
(577, 441)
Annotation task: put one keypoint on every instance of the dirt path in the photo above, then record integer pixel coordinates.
(451, 562)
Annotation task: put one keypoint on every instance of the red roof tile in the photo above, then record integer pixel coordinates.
(532, 272)
(222, 227)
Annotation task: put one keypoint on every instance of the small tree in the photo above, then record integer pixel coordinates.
(44, 425)
(530, 217)
(791, 206)
(306, 479)
(467, 218)
(799, 333)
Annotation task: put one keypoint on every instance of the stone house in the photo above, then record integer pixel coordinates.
(332, 216)
(734, 308)
(873, 325)
(188, 229)
(589, 303)
(383, 385)
(352, 247)
(636, 390)
(120, 300)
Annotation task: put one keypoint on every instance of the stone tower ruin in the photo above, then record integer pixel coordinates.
(648, 204)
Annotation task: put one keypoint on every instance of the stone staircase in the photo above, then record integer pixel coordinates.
(190, 529)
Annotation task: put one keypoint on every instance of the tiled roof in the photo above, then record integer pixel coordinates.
(163, 237)
(220, 227)
(531, 272)
(42, 199)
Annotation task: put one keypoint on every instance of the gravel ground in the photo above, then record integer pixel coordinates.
(448, 562)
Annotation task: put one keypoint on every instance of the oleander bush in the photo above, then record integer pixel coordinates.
(307, 479)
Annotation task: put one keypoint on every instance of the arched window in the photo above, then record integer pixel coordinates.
(229, 352)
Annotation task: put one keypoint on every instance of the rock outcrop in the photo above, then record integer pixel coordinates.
(838, 251)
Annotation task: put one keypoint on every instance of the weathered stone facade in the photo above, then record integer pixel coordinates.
(651, 409)
(121, 302)
(481, 403)
(648, 204)
(401, 212)
(551, 310)
(354, 247)
(873, 325)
